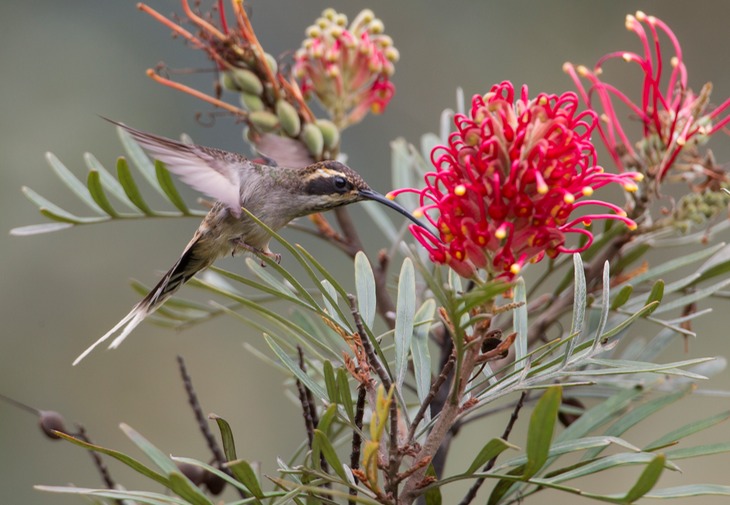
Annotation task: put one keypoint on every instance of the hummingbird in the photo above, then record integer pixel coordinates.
(274, 194)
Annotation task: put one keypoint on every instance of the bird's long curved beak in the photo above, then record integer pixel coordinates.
(369, 194)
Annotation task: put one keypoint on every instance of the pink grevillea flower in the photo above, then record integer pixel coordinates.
(348, 68)
(673, 117)
(508, 182)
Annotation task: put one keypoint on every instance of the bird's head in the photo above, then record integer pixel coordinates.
(330, 184)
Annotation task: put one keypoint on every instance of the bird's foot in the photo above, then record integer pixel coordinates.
(239, 244)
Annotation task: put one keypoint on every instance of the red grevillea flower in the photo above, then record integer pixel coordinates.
(673, 117)
(347, 68)
(507, 183)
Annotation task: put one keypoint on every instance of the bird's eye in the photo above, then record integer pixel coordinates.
(340, 183)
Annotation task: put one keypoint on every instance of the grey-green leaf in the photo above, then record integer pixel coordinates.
(229, 445)
(365, 286)
(405, 312)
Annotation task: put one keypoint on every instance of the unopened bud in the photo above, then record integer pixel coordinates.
(195, 473)
(271, 62)
(288, 117)
(264, 121)
(330, 133)
(51, 421)
(313, 139)
(247, 81)
(252, 103)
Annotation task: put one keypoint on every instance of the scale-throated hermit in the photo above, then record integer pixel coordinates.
(274, 194)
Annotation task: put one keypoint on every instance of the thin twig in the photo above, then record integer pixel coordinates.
(367, 345)
(471, 494)
(435, 387)
(309, 410)
(356, 437)
(98, 462)
(202, 420)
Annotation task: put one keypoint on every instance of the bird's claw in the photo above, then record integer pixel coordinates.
(240, 244)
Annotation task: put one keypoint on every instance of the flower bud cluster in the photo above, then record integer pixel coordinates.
(348, 68)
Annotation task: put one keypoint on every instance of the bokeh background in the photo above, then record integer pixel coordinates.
(64, 63)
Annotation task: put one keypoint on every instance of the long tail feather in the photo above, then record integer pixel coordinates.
(182, 271)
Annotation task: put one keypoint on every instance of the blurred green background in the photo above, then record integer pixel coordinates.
(64, 63)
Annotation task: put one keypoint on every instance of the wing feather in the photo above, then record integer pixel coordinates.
(216, 173)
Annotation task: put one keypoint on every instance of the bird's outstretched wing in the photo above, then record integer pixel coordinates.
(214, 172)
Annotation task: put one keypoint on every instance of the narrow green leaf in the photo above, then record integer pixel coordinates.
(687, 430)
(330, 455)
(491, 450)
(245, 474)
(602, 464)
(111, 185)
(698, 450)
(540, 432)
(622, 296)
(133, 497)
(503, 486)
(718, 264)
(229, 444)
(603, 320)
(119, 456)
(35, 229)
(365, 288)
(72, 182)
(627, 258)
(330, 382)
(325, 421)
(140, 159)
(405, 312)
(152, 452)
(345, 396)
(647, 480)
(381, 219)
(293, 367)
(97, 193)
(419, 348)
(53, 211)
(124, 174)
(165, 180)
(598, 415)
(181, 486)
(694, 296)
(656, 295)
(628, 321)
(519, 322)
(579, 305)
(690, 491)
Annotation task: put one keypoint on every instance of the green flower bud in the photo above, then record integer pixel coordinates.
(330, 133)
(263, 120)
(247, 81)
(289, 118)
(312, 138)
(226, 80)
(251, 102)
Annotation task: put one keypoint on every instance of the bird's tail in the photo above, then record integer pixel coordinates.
(182, 271)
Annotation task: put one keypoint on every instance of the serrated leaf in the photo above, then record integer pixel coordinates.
(97, 193)
(124, 174)
(245, 474)
(229, 444)
(647, 480)
(540, 432)
(491, 450)
(405, 312)
(365, 288)
(165, 180)
(72, 182)
(330, 455)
